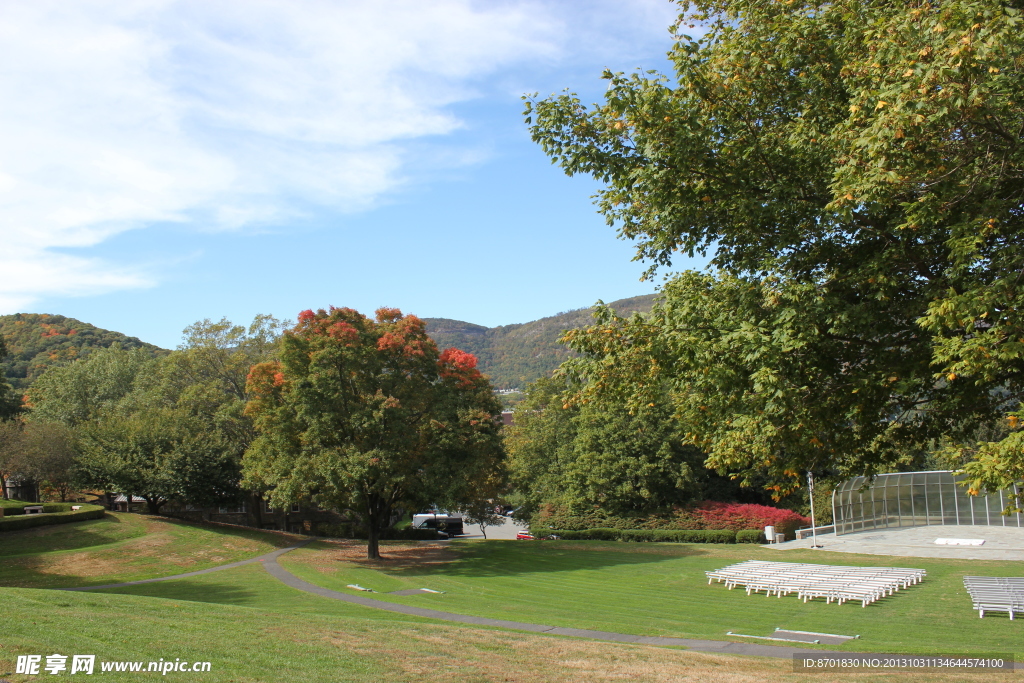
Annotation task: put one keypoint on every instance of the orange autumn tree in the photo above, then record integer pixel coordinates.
(367, 416)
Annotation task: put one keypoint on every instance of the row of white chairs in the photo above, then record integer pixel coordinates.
(996, 594)
(810, 581)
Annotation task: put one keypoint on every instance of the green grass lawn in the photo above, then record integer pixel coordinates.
(123, 547)
(253, 628)
(661, 590)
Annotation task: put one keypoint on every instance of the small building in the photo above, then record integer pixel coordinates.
(905, 499)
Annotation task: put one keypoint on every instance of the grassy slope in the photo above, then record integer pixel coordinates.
(123, 547)
(660, 589)
(253, 628)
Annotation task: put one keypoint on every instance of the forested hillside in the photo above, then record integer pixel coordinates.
(36, 341)
(512, 355)
(515, 355)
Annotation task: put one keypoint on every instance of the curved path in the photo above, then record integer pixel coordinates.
(270, 563)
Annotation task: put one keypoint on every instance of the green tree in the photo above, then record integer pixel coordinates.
(164, 428)
(159, 455)
(205, 380)
(83, 390)
(10, 405)
(367, 416)
(49, 455)
(599, 453)
(854, 170)
(10, 452)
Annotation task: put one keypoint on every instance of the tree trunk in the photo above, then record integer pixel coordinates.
(154, 505)
(256, 509)
(373, 542)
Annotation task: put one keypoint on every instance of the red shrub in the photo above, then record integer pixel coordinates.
(738, 516)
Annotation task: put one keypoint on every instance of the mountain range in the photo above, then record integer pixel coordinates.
(511, 355)
(36, 341)
(515, 355)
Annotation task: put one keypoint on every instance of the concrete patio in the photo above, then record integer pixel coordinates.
(1001, 543)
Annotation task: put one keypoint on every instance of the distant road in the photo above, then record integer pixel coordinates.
(507, 530)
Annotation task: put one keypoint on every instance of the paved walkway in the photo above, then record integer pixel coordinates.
(506, 531)
(721, 646)
(1001, 543)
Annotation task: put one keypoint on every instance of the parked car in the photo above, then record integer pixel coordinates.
(524, 536)
(450, 525)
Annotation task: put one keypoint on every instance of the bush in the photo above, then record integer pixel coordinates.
(709, 515)
(13, 507)
(57, 507)
(738, 516)
(641, 535)
(750, 536)
(343, 530)
(30, 521)
(578, 534)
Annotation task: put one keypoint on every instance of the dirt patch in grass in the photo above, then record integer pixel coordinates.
(443, 653)
(392, 556)
(165, 546)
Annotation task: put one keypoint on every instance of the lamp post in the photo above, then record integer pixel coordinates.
(814, 524)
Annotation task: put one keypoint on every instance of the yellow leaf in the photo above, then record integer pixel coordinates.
(881, 103)
(951, 376)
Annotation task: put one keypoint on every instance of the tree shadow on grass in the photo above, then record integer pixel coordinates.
(191, 591)
(277, 539)
(504, 558)
(144, 555)
(69, 536)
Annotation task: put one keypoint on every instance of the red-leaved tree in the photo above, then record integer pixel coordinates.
(367, 416)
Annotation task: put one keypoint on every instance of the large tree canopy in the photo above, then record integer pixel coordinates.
(600, 454)
(169, 428)
(367, 416)
(856, 171)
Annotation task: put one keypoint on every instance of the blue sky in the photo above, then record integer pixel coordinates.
(166, 161)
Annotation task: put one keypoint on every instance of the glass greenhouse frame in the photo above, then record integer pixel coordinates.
(908, 499)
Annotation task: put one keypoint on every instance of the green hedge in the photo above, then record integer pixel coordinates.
(641, 535)
(29, 521)
(57, 507)
(13, 507)
(750, 536)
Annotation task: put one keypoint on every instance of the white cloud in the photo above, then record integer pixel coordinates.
(123, 113)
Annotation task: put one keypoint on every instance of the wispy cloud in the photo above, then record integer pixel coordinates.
(120, 114)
